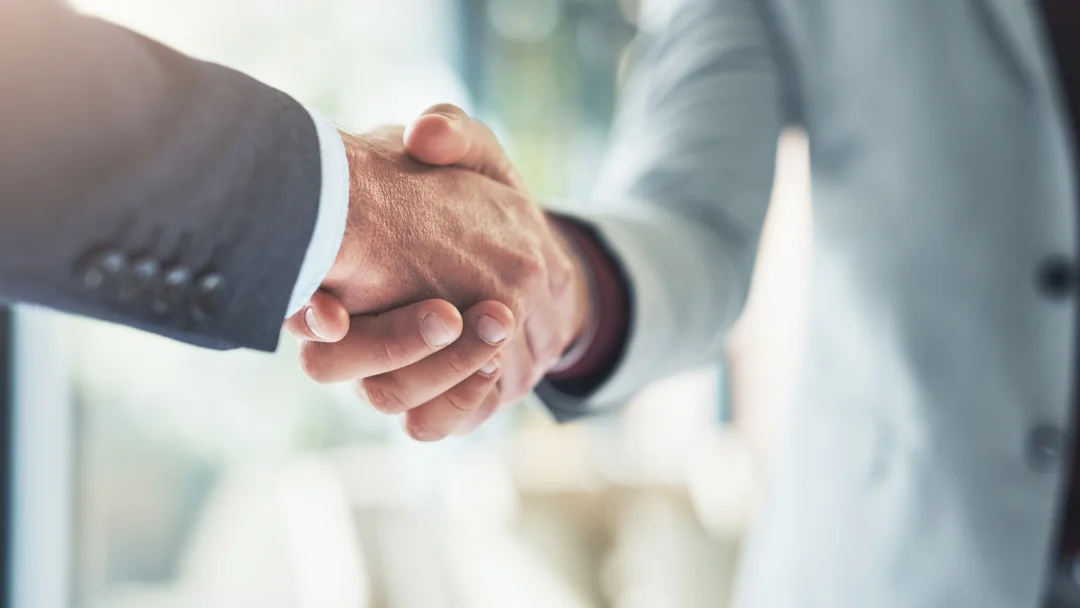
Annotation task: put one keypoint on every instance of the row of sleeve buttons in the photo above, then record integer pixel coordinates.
(1056, 277)
(1048, 445)
(166, 290)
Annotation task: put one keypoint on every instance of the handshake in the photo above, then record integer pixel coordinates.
(453, 292)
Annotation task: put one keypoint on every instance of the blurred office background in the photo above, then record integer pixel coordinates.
(228, 479)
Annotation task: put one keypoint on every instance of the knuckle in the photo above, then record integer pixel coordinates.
(564, 265)
(522, 202)
(389, 353)
(535, 275)
(560, 282)
(457, 365)
(383, 398)
(517, 302)
(526, 271)
(313, 362)
(539, 343)
(419, 431)
(466, 400)
(535, 269)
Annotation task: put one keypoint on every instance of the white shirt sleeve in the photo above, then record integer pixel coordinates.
(330, 220)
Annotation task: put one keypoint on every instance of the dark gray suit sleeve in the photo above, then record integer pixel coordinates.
(144, 187)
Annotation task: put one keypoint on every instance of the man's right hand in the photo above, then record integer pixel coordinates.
(468, 234)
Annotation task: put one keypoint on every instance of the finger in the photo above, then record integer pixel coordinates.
(377, 344)
(438, 418)
(518, 369)
(487, 409)
(488, 325)
(540, 336)
(324, 319)
(445, 135)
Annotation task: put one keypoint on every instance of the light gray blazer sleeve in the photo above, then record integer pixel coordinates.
(684, 191)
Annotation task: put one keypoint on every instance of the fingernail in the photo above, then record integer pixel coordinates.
(490, 369)
(435, 332)
(313, 324)
(490, 330)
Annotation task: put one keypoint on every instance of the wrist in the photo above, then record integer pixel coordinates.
(584, 291)
(584, 294)
(347, 262)
(600, 345)
(331, 215)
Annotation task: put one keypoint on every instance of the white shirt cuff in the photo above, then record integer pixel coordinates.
(332, 215)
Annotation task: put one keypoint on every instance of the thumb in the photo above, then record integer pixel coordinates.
(445, 135)
(324, 319)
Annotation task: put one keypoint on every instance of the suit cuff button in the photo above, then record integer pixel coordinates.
(171, 290)
(142, 276)
(1047, 446)
(103, 269)
(209, 296)
(1056, 277)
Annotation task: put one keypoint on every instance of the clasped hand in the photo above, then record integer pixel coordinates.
(439, 222)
